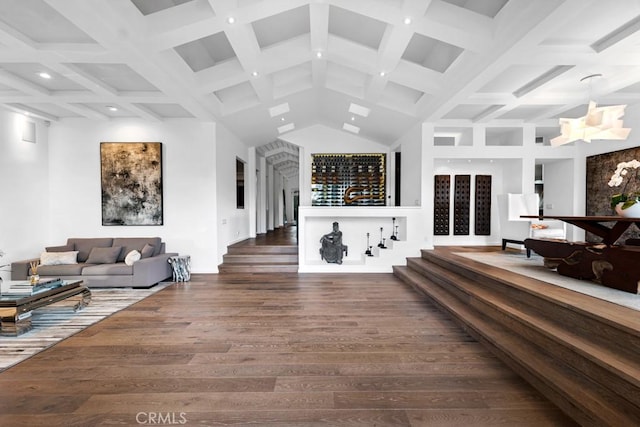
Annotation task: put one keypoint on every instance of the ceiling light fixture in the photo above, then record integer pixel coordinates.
(407, 21)
(112, 108)
(318, 54)
(382, 73)
(350, 128)
(359, 110)
(254, 74)
(231, 20)
(598, 123)
(286, 128)
(279, 109)
(45, 75)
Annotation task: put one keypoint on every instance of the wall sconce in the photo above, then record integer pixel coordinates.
(29, 131)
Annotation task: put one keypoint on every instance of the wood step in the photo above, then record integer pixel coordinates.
(244, 249)
(564, 351)
(258, 268)
(250, 259)
(620, 371)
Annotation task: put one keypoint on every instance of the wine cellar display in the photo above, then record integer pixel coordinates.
(348, 180)
(483, 205)
(461, 204)
(442, 189)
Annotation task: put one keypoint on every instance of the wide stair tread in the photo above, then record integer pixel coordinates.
(255, 258)
(624, 365)
(531, 343)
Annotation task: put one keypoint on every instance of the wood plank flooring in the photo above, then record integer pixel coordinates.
(275, 350)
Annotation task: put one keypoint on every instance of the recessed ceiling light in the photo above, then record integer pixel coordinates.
(231, 20)
(112, 108)
(45, 75)
(254, 74)
(319, 54)
(407, 20)
(282, 119)
(382, 73)
(353, 118)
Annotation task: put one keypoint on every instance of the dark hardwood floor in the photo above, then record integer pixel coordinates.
(274, 349)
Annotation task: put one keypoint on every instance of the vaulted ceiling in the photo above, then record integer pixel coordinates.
(266, 67)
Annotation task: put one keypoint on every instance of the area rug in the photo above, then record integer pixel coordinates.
(534, 267)
(56, 322)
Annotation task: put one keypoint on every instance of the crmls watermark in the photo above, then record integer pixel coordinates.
(161, 418)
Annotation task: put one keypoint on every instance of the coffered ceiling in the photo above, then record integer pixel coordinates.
(266, 67)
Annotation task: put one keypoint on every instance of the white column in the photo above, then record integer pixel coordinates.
(252, 188)
(262, 196)
(270, 197)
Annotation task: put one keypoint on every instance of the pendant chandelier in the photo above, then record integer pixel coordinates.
(598, 123)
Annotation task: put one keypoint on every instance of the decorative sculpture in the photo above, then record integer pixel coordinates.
(332, 247)
(394, 230)
(381, 244)
(368, 251)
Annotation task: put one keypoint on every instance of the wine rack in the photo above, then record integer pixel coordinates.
(348, 179)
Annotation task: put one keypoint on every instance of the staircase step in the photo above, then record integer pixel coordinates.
(262, 268)
(565, 352)
(620, 370)
(257, 258)
(261, 249)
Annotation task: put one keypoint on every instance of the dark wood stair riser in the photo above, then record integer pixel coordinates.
(577, 321)
(587, 366)
(260, 259)
(548, 335)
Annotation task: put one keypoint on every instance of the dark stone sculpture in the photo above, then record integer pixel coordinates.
(332, 247)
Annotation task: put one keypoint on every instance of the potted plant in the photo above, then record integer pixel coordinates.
(625, 203)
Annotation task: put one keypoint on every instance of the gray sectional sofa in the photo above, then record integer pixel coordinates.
(100, 262)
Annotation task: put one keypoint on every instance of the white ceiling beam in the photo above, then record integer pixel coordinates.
(96, 20)
(319, 28)
(22, 84)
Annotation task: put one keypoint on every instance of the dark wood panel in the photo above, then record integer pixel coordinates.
(441, 214)
(461, 205)
(483, 205)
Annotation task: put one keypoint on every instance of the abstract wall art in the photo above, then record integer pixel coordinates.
(131, 178)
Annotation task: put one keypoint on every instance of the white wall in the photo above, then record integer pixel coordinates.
(410, 164)
(24, 190)
(233, 223)
(189, 184)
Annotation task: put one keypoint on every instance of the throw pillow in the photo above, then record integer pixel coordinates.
(104, 255)
(63, 248)
(132, 257)
(147, 251)
(58, 258)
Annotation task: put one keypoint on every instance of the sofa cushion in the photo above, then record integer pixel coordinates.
(147, 251)
(118, 269)
(132, 257)
(104, 255)
(63, 248)
(57, 258)
(61, 270)
(130, 243)
(84, 245)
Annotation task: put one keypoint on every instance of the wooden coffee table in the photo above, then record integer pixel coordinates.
(15, 310)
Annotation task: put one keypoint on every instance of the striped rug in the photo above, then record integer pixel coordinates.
(54, 323)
